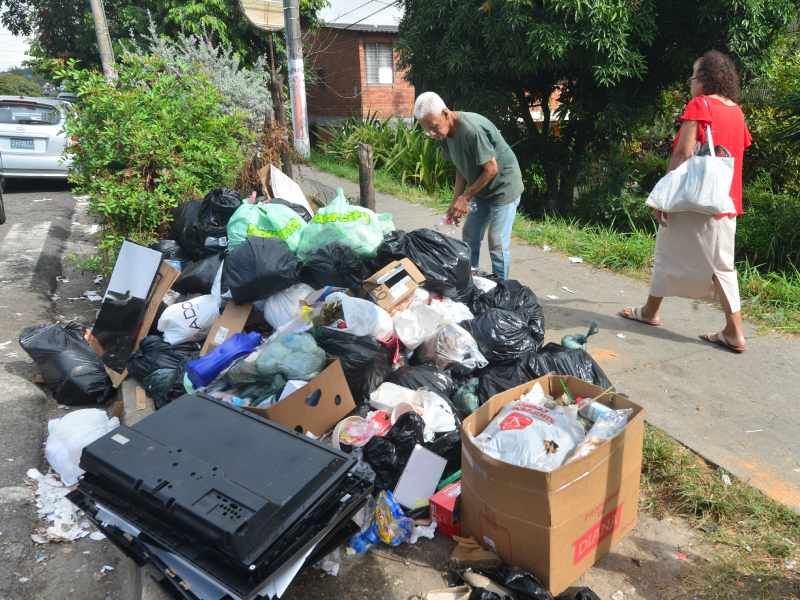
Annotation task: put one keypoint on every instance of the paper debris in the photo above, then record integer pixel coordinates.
(98, 279)
(24, 579)
(92, 296)
(423, 531)
(62, 279)
(576, 260)
(51, 503)
(331, 563)
(552, 297)
(97, 536)
(106, 568)
(568, 290)
(726, 479)
(621, 336)
(754, 430)
(546, 248)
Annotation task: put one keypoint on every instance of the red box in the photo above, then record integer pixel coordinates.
(443, 509)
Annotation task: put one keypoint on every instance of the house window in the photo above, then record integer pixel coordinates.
(379, 64)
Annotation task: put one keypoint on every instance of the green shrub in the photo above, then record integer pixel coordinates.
(12, 84)
(147, 143)
(768, 234)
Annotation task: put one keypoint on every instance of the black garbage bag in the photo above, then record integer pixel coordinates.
(366, 363)
(448, 446)
(258, 268)
(522, 584)
(69, 366)
(164, 385)
(336, 265)
(424, 377)
(197, 277)
(388, 455)
(502, 336)
(170, 250)
(154, 354)
(200, 227)
(513, 296)
(583, 593)
(484, 594)
(443, 260)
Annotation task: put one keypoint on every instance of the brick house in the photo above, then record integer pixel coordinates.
(355, 63)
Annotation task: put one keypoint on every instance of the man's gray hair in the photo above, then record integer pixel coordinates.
(428, 103)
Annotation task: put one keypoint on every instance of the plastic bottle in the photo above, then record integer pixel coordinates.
(592, 410)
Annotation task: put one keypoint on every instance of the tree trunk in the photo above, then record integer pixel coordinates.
(276, 89)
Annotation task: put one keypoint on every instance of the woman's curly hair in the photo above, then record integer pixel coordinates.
(718, 75)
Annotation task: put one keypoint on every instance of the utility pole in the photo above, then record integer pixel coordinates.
(103, 40)
(297, 79)
(276, 90)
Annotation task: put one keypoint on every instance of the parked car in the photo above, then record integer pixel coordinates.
(32, 140)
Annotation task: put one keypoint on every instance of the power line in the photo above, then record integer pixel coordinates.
(359, 7)
(369, 15)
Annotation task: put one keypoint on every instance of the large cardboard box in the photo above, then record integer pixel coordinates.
(394, 284)
(558, 524)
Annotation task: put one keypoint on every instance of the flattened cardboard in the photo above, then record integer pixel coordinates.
(394, 284)
(556, 524)
(162, 283)
(317, 406)
(230, 322)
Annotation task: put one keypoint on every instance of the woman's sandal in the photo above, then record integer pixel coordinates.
(719, 339)
(635, 314)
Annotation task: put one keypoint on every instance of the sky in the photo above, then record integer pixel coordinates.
(12, 49)
(365, 12)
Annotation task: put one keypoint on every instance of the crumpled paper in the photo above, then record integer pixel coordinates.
(66, 522)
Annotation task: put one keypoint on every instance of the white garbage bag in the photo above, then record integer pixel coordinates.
(189, 321)
(281, 308)
(363, 317)
(417, 324)
(532, 435)
(389, 395)
(452, 311)
(452, 346)
(69, 435)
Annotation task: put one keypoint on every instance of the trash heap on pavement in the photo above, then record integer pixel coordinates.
(315, 374)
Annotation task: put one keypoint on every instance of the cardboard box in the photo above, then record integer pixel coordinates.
(317, 406)
(444, 509)
(394, 284)
(557, 524)
(230, 322)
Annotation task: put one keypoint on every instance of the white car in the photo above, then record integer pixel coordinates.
(32, 138)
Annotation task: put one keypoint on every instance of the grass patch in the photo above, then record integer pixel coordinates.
(771, 299)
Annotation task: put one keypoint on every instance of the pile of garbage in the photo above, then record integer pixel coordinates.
(372, 341)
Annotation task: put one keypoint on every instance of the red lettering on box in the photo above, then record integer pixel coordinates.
(584, 545)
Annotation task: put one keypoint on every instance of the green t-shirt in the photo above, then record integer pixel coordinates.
(474, 143)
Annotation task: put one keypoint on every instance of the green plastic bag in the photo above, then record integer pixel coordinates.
(265, 220)
(339, 221)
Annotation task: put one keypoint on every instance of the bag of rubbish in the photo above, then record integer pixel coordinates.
(389, 525)
(354, 226)
(583, 593)
(293, 355)
(197, 277)
(281, 307)
(424, 377)
(164, 385)
(532, 435)
(362, 317)
(443, 260)
(451, 347)
(521, 584)
(484, 284)
(554, 358)
(511, 295)
(189, 321)
(205, 369)
(502, 335)
(67, 436)
(201, 226)
(154, 353)
(266, 221)
(69, 366)
(301, 211)
(450, 310)
(417, 324)
(334, 265)
(388, 455)
(448, 446)
(366, 363)
(170, 250)
(258, 268)
(607, 425)
(466, 399)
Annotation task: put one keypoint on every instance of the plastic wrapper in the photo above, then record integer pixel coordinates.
(292, 355)
(170, 250)
(366, 363)
(418, 323)
(466, 399)
(197, 277)
(154, 353)
(388, 455)
(334, 265)
(606, 427)
(280, 308)
(451, 347)
(69, 366)
(390, 525)
(258, 268)
(483, 284)
(271, 220)
(511, 295)
(69, 435)
(531, 435)
(450, 310)
(353, 226)
(200, 227)
(424, 377)
(502, 335)
(362, 317)
(190, 320)
(443, 260)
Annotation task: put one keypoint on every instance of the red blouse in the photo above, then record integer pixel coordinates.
(729, 130)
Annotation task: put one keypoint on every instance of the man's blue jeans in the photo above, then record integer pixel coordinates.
(498, 219)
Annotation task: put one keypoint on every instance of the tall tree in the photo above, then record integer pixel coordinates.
(605, 61)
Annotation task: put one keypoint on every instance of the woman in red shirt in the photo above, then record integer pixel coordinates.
(694, 252)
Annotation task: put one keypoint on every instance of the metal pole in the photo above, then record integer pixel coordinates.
(276, 88)
(103, 39)
(297, 80)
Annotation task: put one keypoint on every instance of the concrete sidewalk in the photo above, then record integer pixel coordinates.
(739, 412)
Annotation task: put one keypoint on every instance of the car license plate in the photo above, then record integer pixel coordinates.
(22, 143)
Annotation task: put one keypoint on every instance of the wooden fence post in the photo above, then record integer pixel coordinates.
(365, 175)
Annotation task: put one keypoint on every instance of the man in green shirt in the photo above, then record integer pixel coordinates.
(488, 180)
